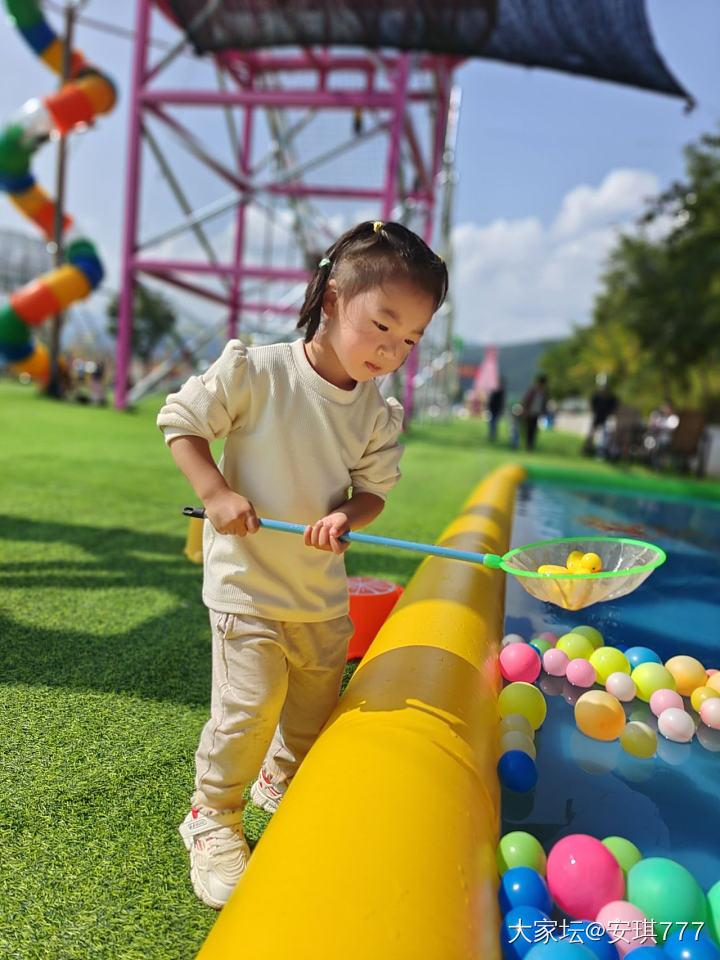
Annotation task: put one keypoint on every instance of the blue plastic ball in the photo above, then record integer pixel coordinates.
(638, 655)
(684, 946)
(592, 935)
(560, 950)
(523, 887)
(520, 930)
(648, 953)
(517, 771)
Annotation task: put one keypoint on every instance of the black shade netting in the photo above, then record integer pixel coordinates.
(605, 39)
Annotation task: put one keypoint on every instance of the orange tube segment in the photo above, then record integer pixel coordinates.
(37, 365)
(99, 91)
(69, 107)
(34, 302)
(67, 283)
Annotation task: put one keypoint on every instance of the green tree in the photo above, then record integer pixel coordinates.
(153, 319)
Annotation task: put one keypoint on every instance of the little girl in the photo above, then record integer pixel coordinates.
(309, 439)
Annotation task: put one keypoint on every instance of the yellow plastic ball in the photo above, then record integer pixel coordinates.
(514, 740)
(650, 677)
(516, 721)
(593, 635)
(599, 715)
(688, 672)
(638, 739)
(700, 695)
(573, 559)
(607, 660)
(552, 568)
(575, 645)
(524, 698)
(590, 563)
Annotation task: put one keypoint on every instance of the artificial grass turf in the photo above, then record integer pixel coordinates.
(104, 673)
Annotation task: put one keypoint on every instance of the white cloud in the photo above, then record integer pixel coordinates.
(518, 280)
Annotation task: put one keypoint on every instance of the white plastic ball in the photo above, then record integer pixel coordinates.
(622, 686)
(676, 725)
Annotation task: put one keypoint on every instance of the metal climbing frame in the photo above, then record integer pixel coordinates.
(401, 101)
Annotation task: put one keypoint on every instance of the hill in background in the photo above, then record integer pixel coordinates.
(519, 363)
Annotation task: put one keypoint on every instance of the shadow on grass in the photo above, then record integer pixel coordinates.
(164, 657)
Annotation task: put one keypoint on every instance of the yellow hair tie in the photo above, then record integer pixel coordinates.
(377, 226)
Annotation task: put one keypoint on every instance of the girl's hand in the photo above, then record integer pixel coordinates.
(325, 534)
(229, 512)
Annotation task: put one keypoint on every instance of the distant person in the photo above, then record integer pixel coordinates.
(534, 405)
(496, 405)
(303, 423)
(603, 405)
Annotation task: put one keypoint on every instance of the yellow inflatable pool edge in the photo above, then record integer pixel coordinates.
(384, 846)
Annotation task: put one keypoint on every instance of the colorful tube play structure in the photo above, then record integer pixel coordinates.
(87, 94)
(384, 845)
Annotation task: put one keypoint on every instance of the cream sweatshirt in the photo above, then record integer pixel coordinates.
(294, 446)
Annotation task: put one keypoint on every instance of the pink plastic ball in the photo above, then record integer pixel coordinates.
(583, 876)
(665, 698)
(580, 672)
(676, 725)
(710, 713)
(555, 662)
(626, 924)
(710, 670)
(520, 661)
(621, 686)
(552, 638)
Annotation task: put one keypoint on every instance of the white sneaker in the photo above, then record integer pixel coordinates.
(264, 793)
(218, 854)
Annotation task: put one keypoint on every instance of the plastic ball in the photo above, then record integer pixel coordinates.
(511, 638)
(687, 672)
(592, 935)
(555, 662)
(515, 740)
(599, 715)
(638, 655)
(624, 921)
(700, 695)
(666, 892)
(580, 672)
(519, 929)
(663, 698)
(524, 887)
(713, 914)
(638, 739)
(589, 563)
(549, 636)
(583, 876)
(520, 849)
(621, 686)
(713, 681)
(648, 953)
(520, 661)
(690, 946)
(607, 660)
(710, 713)
(560, 950)
(516, 721)
(650, 677)
(676, 725)
(523, 698)
(517, 771)
(593, 635)
(575, 645)
(624, 851)
(542, 646)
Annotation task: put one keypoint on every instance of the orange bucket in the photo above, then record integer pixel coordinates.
(371, 601)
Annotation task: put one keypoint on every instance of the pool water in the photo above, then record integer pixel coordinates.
(667, 805)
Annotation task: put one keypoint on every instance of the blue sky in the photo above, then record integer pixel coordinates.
(550, 166)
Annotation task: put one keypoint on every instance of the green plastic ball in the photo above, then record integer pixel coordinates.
(625, 852)
(650, 677)
(666, 892)
(520, 849)
(593, 635)
(713, 902)
(575, 645)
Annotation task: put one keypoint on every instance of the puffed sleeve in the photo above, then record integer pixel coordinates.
(213, 404)
(377, 471)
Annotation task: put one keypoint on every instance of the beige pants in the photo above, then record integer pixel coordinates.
(274, 684)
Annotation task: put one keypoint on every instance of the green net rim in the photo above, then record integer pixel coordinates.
(660, 558)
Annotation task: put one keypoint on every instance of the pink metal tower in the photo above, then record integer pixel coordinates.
(401, 101)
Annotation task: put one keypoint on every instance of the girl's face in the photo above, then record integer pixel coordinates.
(371, 334)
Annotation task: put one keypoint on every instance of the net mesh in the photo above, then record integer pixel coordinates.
(625, 565)
(606, 39)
